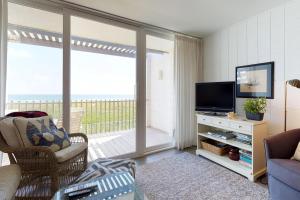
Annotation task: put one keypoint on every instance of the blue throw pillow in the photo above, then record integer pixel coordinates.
(42, 132)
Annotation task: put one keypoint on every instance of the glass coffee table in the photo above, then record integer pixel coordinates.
(119, 186)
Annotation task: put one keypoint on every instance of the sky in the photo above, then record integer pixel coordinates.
(35, 69)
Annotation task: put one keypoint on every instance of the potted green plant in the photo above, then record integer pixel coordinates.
(255, 108)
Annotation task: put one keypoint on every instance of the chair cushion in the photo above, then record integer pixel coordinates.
(104, 166)
(285, 170)
(41, 131)
(70, 152)
(296, 155)
(9, 181)
(10, 133)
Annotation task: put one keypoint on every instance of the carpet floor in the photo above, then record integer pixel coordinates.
(189, 177)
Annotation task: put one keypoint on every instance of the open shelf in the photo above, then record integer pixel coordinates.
(226, 162)
(229, 142)
(257, 130)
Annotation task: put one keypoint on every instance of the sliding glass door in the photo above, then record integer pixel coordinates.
(103, 82)
(160, 92)
(116, 73)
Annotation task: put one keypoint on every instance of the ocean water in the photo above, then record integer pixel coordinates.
(52, 97)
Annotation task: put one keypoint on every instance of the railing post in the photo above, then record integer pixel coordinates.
(114, 119)
(122, 115)
(109, 110)
(91, 113)
(86, 116)
(46, 104)
(128, 108)
(132, 108)
(100, 113)
(53, 110)
(118, 114)
(105, 115)
(96, 116)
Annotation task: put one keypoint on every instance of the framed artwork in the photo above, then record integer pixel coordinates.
(256, 80)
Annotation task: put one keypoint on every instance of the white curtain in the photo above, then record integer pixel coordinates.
(3, 22)
(3, 41)
(188, 71)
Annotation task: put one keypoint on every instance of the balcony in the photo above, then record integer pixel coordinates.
(109, 124)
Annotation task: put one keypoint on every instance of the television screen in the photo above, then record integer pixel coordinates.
(215, 97)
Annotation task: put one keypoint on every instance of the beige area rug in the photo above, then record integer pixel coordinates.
(189, 177)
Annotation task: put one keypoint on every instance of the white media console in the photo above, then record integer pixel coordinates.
(258, 131)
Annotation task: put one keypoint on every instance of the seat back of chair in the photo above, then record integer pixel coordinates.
(27, 114)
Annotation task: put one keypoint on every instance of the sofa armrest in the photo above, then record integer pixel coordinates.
(78, 138)
(283, 145)
(9, 181)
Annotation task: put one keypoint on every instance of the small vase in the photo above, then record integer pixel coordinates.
(255, 116)
(234, 154)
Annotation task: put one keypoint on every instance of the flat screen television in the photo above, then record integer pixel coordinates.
(215, 97)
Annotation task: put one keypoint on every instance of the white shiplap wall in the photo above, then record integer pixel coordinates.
(273, 35)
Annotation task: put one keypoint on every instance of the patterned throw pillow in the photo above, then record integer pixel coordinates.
(104, 166)
(42, 132)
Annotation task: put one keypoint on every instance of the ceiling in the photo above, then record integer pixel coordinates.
(193, 17)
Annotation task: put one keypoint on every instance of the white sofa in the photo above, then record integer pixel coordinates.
(9, 181)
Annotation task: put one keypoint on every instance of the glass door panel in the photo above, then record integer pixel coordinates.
(34, 61)
(103, 78)
(159, 92)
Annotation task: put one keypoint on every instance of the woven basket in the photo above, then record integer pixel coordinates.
(210, 145)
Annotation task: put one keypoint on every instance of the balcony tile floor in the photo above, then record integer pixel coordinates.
(123, 142)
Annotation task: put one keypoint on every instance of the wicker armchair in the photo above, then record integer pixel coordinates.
(45, 171)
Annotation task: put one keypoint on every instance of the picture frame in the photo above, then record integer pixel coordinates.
(254, 81)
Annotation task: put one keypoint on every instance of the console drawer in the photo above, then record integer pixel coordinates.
(203, 119)
(241, 127)
(221, 122)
